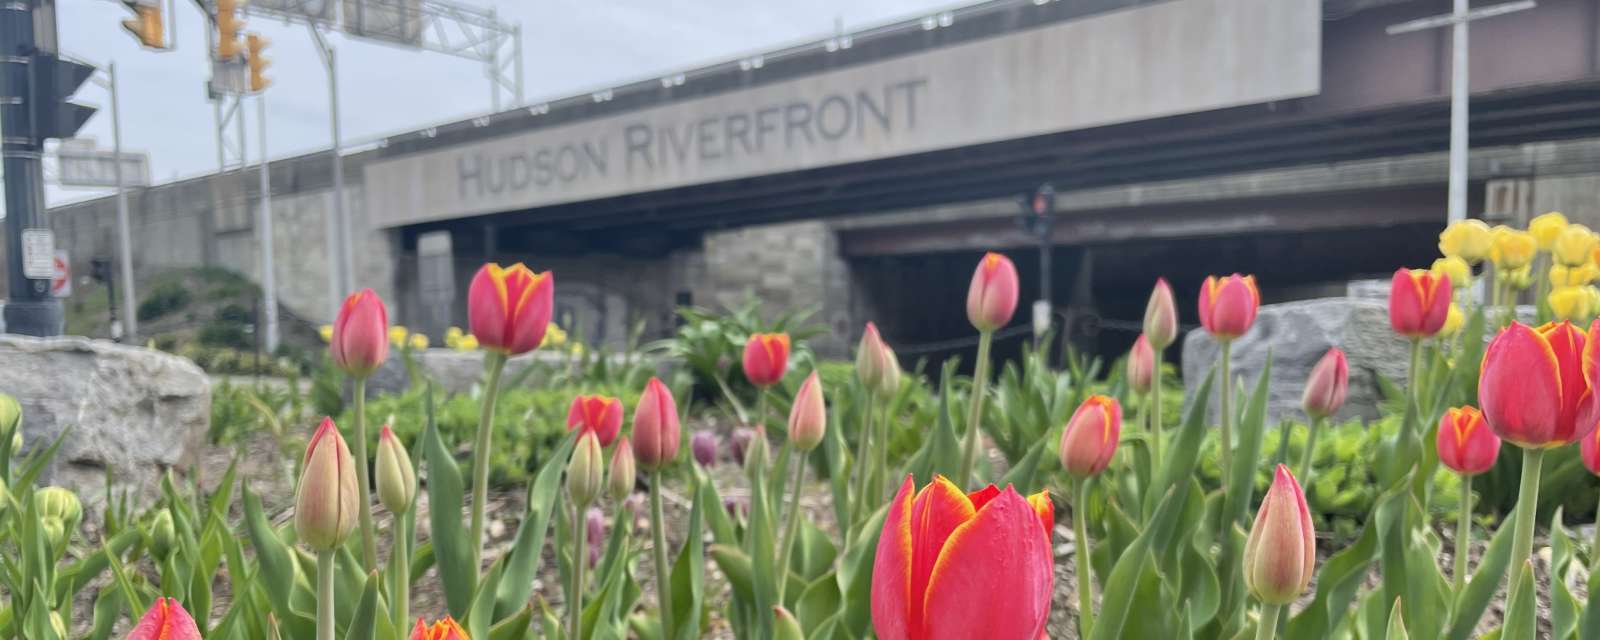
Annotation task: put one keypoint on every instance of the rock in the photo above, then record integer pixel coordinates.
(135, 411)
(1298, 334)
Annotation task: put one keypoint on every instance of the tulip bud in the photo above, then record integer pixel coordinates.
(58, 503)
(808, 418)
(325, 501)
(397, 481)
(1465, 443)
(1280, 554)
(58, 624)
(162, 534)
(1512, 249)
(445, 629)
(1228, 305)
(594, 524)
(766, 358)
(1419, 303)
(508, 309)
(1574, 246)
(1090, 436)
(1326, 388)
(55, 535)
(785, 626)
(1161, 316)
(992, 296)
(655, 427)
(704, 446)
(166, 620)
(1545, 227)
(360, 340)
(586, 471)
(1454, 268)
(738, 443)
(601, 415)
(1469, 240)
(1141, 365)
(619, 482)
(876, 364)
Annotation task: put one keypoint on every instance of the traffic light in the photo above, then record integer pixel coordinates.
(228, 27)
(146, 23)
(56, 80)
(256, 45)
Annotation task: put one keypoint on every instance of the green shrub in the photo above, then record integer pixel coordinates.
(224, 334)
(163, 299)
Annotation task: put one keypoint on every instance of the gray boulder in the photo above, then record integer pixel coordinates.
(135, 411)
(1298, 334)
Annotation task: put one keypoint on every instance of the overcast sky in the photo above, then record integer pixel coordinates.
(569, 47)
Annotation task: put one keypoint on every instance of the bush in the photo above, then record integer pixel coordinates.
(163, 299)
(225, 334)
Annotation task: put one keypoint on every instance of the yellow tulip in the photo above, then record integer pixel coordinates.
(326, 331)
(554, 336)
(1519, 278)
(1570, 303)
(1574, 246)
(397, 336)
(1469, 240)
(1453, 321)
(1512, 249)
(467, 343)
(453, 332)
(1565, 276)
(1457, 269)
(1546, 227)
(419, 341)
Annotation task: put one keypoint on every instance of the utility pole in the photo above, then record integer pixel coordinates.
(130, 321)
(35, 84)
(269, 291)
(1460, 89)
(340, 261)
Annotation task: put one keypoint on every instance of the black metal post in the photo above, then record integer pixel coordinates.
(29, 308)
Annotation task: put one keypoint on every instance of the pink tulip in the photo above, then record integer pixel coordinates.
(166, 620)
(992, 296)
(1326, 388)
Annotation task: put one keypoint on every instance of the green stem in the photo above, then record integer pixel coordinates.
(1414, 376)
(1527, 504)
(1226, 407)
(1268, 628)
(980, 384)
(369, 542)
(881, 471)
(663, 582)
(1305, 456)
(862, 483)
(480, 454)
(1463, 532)
(325, 595)
(1080, 531)
(792, 528)
(1155, 414)
(580, 562)
(402, 564)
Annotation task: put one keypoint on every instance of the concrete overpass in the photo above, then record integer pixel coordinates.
(861, 175)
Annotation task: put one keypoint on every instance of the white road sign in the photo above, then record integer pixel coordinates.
(38, 253)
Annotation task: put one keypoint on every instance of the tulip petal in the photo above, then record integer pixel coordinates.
(1047, 513)
(939, 509)
(983, 496)
(891, 570)
(1520, 386)
(1567, 343)
(969, 597)
(487, 306)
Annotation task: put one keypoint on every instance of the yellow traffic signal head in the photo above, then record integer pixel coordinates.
(228, 27)
(146, 25)
(255, 45)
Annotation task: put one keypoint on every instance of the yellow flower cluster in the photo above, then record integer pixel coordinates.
(1572, 269)
(459, 340)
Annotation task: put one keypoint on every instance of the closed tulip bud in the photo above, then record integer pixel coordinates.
(162, 534)
(1326, 388)
(1141, 365)
(1280, 554)
(166, 620)
(619, 482)
(785, 626)
(1453, 321)
(766, 358)
(1419, 303)
(956, 565)
(58, 503)
(1090, 437)
(808, 418)
(1465, 443)
(738, 442)
(396, 480)
(1228, 305)
(703, 444)
(1454, 268)
(508, 309)
(10, 416)
(876, 364)
(586, 470)
(1520, 278)
(1574, 246)
(1534, 387)
(1570, 303)
(1161, 316)
(1546, 227)
(992, 296)
(54, 532)
(445, 629)
(655, 427)
(325, 501)
(600, 415)
(594, 526)
(1469, 240)
(360, 339)
(1512, 249)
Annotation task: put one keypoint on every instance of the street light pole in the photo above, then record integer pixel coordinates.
(130, 321)
(340, 261)
(269, 291)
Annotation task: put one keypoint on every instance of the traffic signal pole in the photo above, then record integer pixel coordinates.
(130, 320)
(29, 308)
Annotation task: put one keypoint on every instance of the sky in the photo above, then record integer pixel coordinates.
(569, 47)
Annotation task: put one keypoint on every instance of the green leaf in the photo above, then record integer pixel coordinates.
(1483, 585)
(517, 584)
(363, 623)
(820, 601)
(1241, 480)
(516, 627)
(1397, 624)
(1563, 606)
(1121, 585)
(1190, 435)
(1520, 614)
(276, 568)
(452, 549)
(688, 574)
(1589, 621)
(785, 627)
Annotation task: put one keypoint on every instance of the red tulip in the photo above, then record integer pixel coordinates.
(600, 415)
(992, 296)
(1161, 316)
(1228, 305)
(955, 565)
(766, 358)
(655, 427)
(360, 340)
(1141, 365)
(1419, 302)
(1535, 384)
(808, 418)
(1326, 388)
(1090, 436)
(325, 501)
(508, 309)
(1281, 553)
(1466, 444)
(166, 620)
(445, 629)
(1589, 451)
